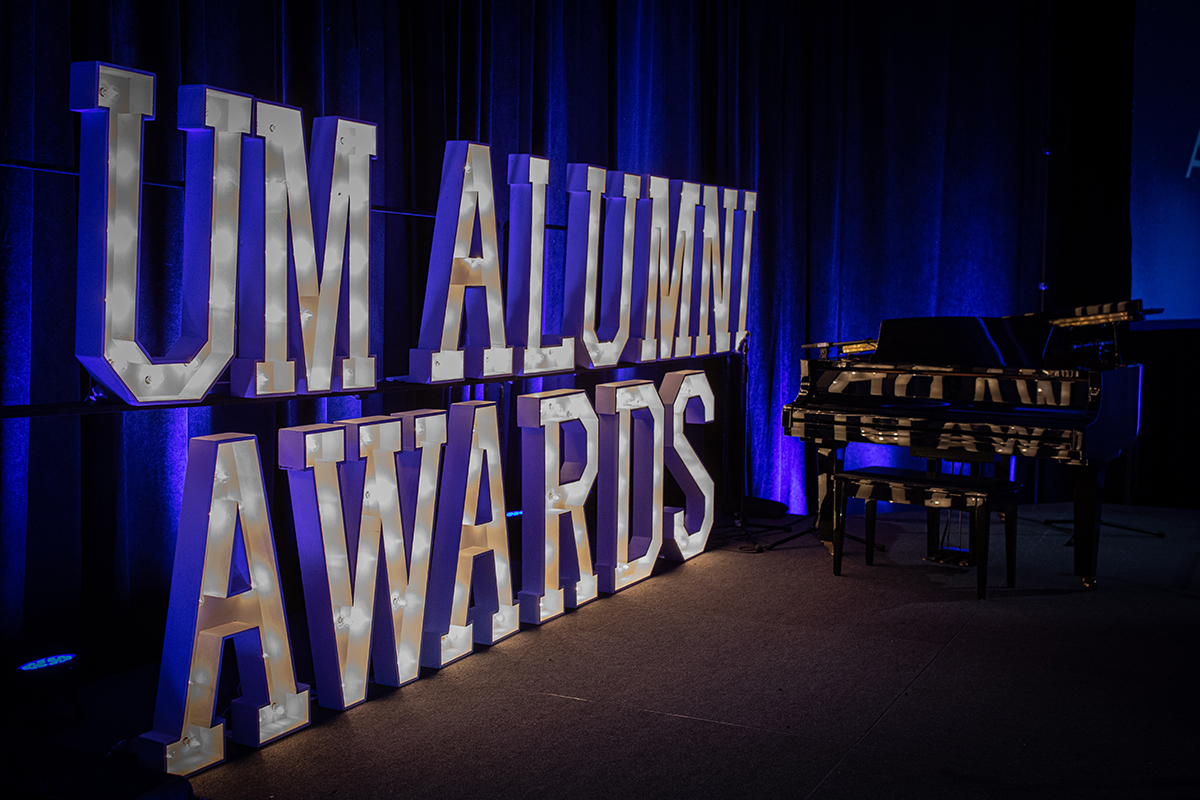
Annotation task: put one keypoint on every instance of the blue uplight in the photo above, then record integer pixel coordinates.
(513, 514)
(48, 661)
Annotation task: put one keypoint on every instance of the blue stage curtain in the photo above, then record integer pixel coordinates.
(896, 148)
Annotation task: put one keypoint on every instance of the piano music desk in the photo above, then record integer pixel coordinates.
(976, 495)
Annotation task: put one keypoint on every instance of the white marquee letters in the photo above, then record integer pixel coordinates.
(384, 594)
(716, 272)
(335, 214)
(114, 103)
(746, 225)
(630, 494)
(464, 256)
(367, 610)
(240, 307)
(669, 276)
(584, 287)
(687, 396)
(557, 561)
(225, 586)
(276, 264)
(527, 177)
(470, 543)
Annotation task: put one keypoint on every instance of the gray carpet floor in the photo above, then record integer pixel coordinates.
(752, 674)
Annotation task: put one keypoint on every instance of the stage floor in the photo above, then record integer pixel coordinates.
(751, 674)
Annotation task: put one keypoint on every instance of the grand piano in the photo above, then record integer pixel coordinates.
(971, 389)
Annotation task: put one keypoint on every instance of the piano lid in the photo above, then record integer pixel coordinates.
(1017, 342)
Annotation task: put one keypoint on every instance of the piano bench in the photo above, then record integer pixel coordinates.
(978, 496)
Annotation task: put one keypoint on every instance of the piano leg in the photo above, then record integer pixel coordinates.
(933, 516)
(870, 521)
(840, 497)
(829, 462)
(1089, 492)
(933, 524)
(1010, 543)
(980, 523)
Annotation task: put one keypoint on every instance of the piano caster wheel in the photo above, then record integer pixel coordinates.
(1089, 584)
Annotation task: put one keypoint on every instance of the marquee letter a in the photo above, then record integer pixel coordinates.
(225, 586)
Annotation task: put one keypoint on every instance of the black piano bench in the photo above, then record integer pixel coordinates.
(979, 496)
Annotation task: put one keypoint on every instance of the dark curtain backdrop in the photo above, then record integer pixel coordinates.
(897, 150)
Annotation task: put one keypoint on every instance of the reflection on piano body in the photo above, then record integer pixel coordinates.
(973, 388)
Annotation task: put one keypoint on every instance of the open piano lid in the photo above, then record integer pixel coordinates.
(1015, 342)
(1027, 341)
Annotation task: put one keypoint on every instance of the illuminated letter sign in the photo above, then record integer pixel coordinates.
(340, 208)
(669, 276)
(262, 367)
(688, 528)
(225, 586)
(584, 286)
(750, 200)
(716, 273)
(465, 255)
(527, 177)
(114, 103)
(554, 538)
(356, 459)
(629, 502)
(470, 546)
(384, 597)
